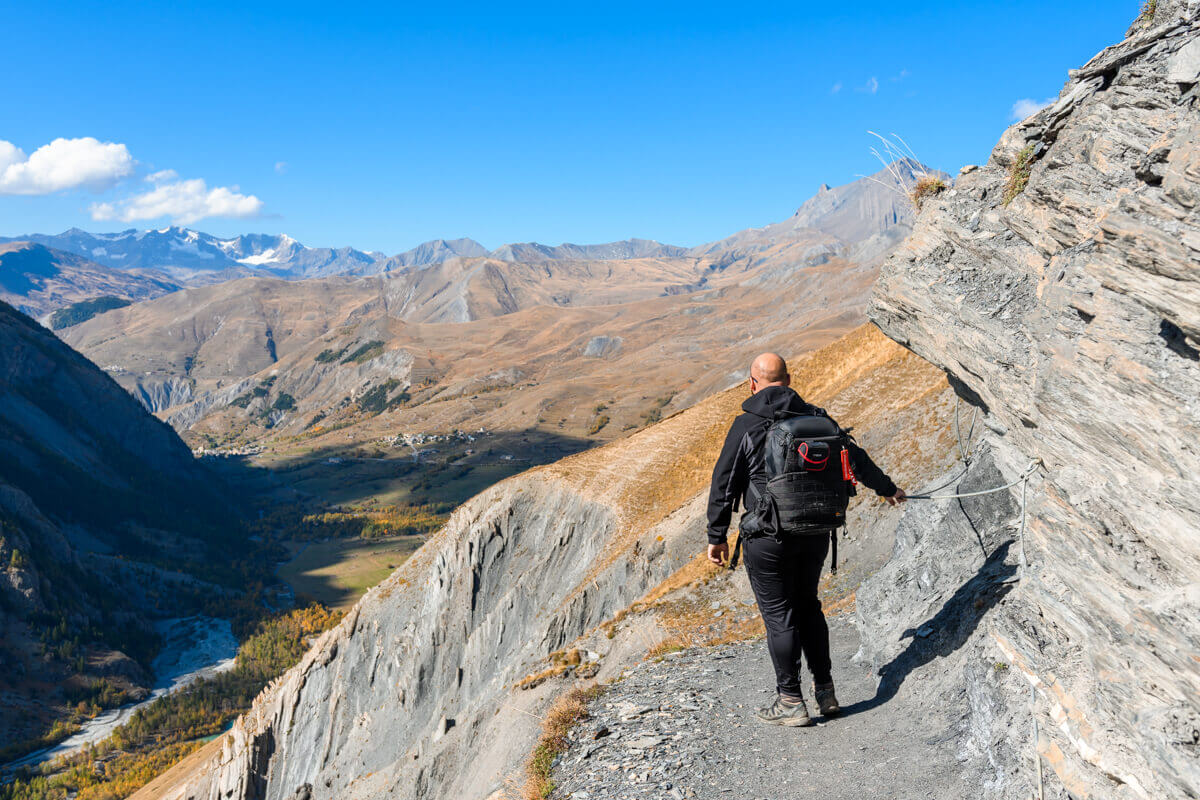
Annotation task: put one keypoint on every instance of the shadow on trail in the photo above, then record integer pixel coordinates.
(949, 628)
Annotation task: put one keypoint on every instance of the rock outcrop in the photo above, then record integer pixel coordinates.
(1059, 288)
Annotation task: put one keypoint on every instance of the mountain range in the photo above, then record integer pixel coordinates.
(859, 213)
(467, 319)
(196, 258)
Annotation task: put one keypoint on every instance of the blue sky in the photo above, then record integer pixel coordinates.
(381, 126)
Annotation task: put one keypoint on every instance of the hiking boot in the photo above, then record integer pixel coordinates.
(783, 712)
(826, 699)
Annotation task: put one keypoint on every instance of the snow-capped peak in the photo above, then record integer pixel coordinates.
(265, 257)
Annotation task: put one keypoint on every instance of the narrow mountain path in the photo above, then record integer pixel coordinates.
(683, 727)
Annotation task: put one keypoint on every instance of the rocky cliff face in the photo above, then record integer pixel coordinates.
(1058, 286)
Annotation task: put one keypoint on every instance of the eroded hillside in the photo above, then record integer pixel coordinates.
(37, 279)
(419, 680)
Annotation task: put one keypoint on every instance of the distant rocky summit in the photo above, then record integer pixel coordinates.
(1058, 285)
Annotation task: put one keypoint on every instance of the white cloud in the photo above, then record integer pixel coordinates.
(1026, 107)
(9, 154)
(837, 87)
(901, 75)
(63, 164)
(162, 176)
(281, 167)
(184, 202)
(870, 87)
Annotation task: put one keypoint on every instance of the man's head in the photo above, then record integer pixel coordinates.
(769, 369)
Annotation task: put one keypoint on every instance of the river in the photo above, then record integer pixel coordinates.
(193, 648)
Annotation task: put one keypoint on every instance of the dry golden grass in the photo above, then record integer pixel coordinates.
(862, 378)
(1146, 17)
(569, 658)
(561, 662)
(567, 711)
(538, 678)
(697, 571)
(927, 186)
(695, 626)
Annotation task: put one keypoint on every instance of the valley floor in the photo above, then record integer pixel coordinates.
(336, 572)
(683, 727)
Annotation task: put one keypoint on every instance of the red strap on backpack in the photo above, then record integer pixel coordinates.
(819, 463)
(847, 470)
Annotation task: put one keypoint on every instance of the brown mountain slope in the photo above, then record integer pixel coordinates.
(319, 369)
(37, 279)
(166, 350)
(468, 289)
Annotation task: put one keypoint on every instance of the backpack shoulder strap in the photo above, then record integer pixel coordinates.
(737, 548)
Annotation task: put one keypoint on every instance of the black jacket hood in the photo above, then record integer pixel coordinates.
(775, 402)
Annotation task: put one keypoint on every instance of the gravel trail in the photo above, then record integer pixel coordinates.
(684, 727)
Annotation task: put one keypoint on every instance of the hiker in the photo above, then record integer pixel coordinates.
(792, 469)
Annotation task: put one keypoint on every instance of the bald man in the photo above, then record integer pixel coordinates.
(784, 569)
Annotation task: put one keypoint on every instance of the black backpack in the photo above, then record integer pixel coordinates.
(809, 481)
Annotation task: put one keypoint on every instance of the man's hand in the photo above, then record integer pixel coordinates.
(898, 498)
(718, 553)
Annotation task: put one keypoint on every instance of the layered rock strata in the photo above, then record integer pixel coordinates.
(1059, 288)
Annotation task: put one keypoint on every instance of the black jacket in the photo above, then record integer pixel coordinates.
(741, 458)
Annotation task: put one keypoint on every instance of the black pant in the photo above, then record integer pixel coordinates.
(785, 575)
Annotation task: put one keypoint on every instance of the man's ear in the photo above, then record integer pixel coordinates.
(787, 380)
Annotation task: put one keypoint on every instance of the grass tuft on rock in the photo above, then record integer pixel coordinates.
(926, 186)
(1146, 18)
(1018, 174)
(567, 711)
